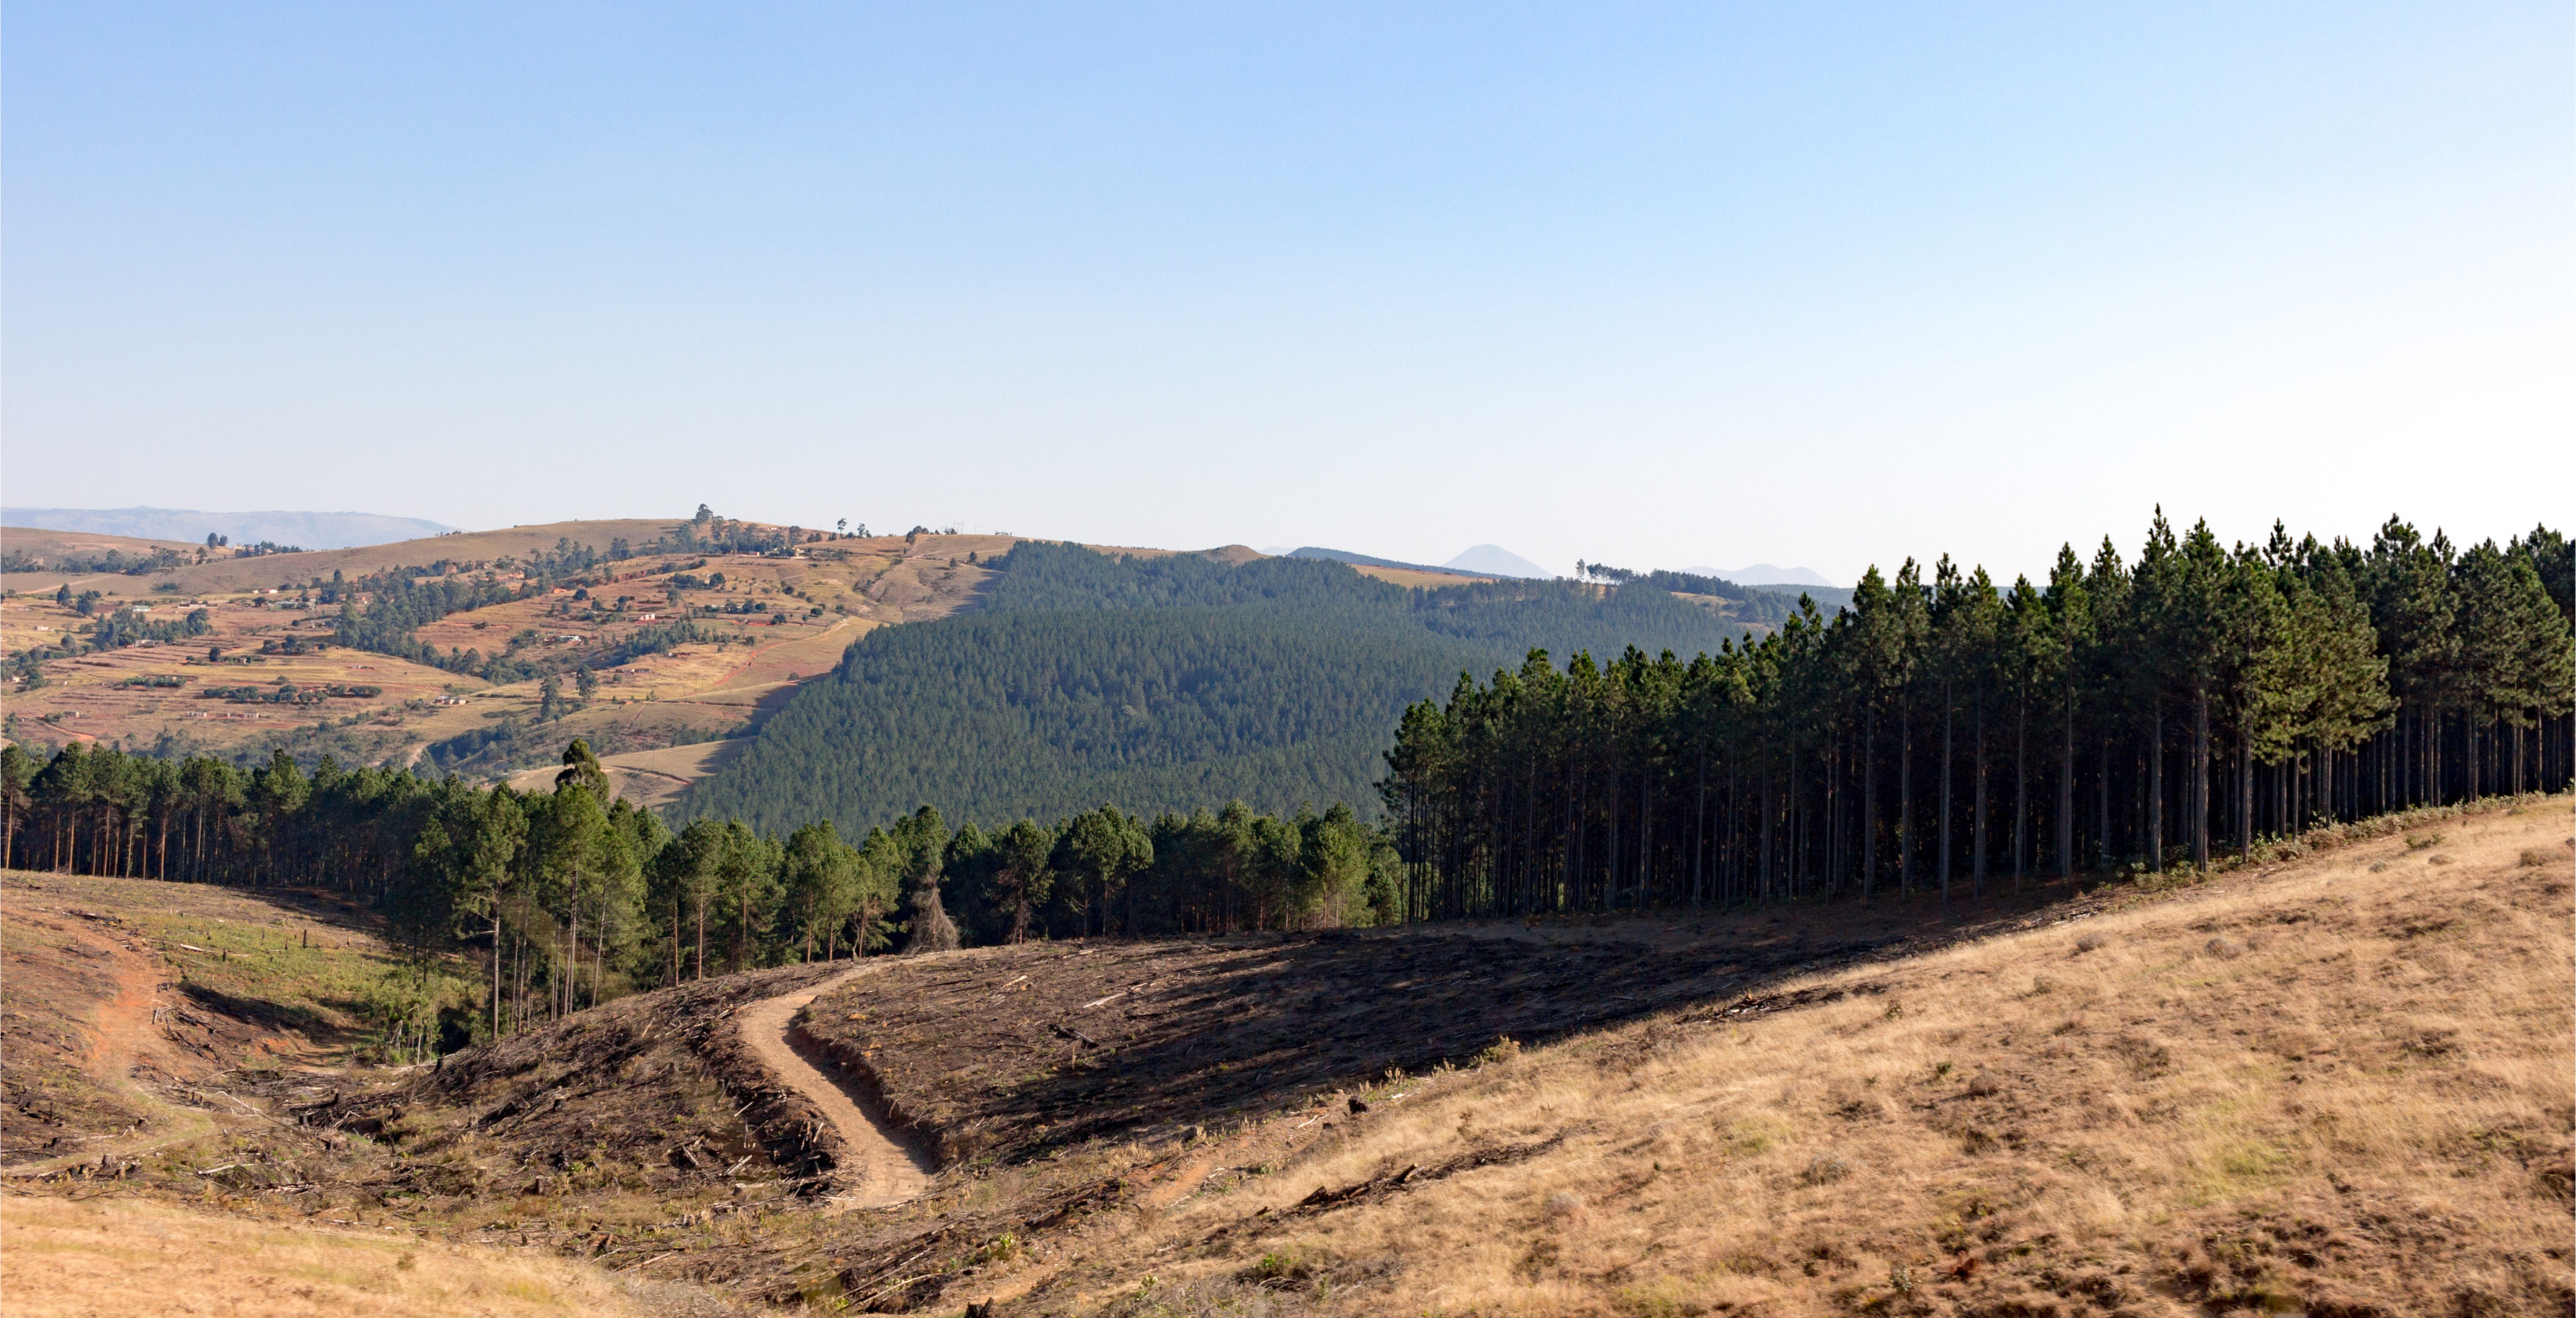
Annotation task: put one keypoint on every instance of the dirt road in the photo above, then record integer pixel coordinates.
(881, 1168)
(122, 1032)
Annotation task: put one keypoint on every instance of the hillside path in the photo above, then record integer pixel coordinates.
(880, 1169)
(124, 1030)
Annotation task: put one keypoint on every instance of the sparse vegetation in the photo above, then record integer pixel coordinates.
(152, 1257)
(2287, 1110)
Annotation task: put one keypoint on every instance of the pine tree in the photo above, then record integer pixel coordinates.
(17, 772)
(924, 840)
(821, 879)
(685, 885)
(1023, 877)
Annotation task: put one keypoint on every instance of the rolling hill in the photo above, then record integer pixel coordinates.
(1160, 683)
(685, 644)
(1765, 574)
(1155, 678)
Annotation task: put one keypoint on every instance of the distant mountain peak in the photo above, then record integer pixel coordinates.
(339, 530)
(1496, 561)
(1763, 574)
(1359, 560)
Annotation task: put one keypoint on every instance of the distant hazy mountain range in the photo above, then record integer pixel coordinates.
(1494, 560)
(1357, 560)
(1483, 560)
(306, 530)
(1763, 574)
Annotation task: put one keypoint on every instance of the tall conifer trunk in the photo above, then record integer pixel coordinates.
(2066, 793)
(2245, 785)
(2200, 779)
(1699, 827)
(1977, 804)
(1763, 840)
(2021, 790)
(1949, 711)
(2102, 809)
(1868, 799)
(2156, 790)
(1905, 799)
(496, 965)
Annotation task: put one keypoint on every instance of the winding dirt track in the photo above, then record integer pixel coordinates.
(124, 1033)
(880, 1169)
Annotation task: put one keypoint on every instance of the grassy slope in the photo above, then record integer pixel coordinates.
(220, 1017)
(70, 1257)
(268, 570)
(2345, 1082)
(113, 981)
(45, 543)
(2342, 1083)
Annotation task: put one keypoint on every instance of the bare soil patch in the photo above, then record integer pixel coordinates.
(872, 1166)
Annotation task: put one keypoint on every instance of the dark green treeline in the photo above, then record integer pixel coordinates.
(564, 901)
(1946, 733)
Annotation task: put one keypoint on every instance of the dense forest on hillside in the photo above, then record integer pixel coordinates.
(1947, 732)
(567, 897)
(1159, 683)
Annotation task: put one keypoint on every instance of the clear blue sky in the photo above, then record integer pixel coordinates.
(1815, 285)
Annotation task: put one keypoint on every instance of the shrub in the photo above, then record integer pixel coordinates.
(1280, 1267)
(1500, 1050)
(1825, 1169)
(403, 1015)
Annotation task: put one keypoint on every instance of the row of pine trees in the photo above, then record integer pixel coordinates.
(1944, 733)
(570, 896)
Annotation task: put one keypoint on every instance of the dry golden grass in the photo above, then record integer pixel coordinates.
(2348, 1081)
(234, 574)
(804, 654)
(1416, 578)
(115, 1256)
(699, 688)
(649, 778)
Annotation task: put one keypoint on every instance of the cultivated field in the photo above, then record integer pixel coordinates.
(783, 620)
